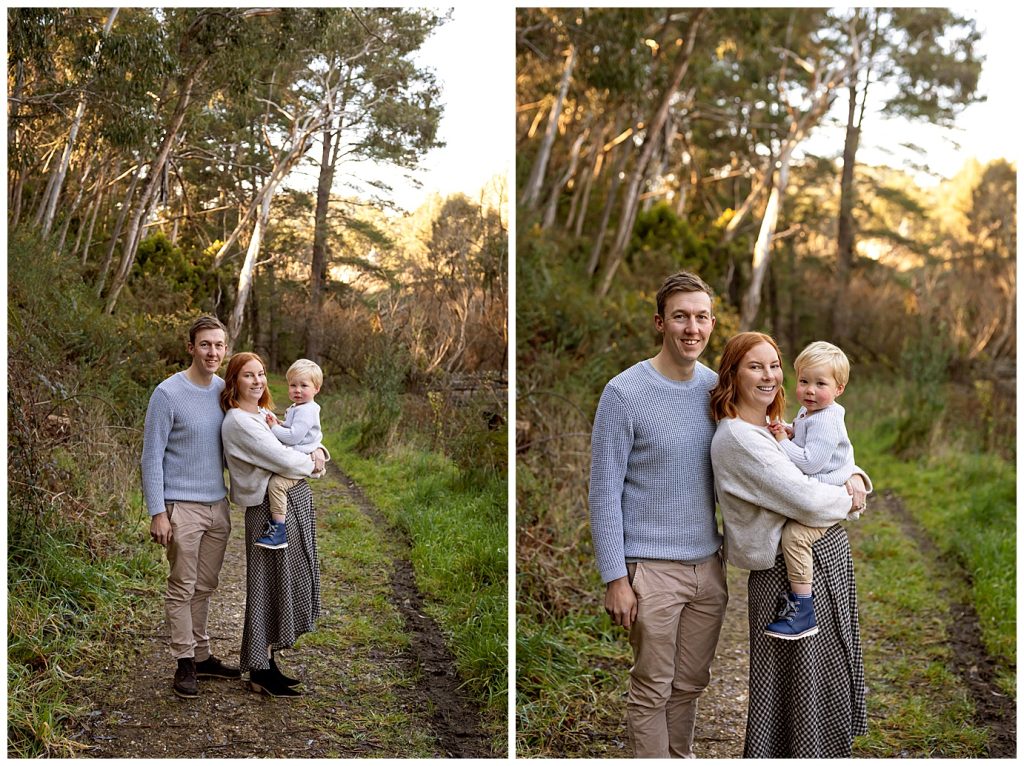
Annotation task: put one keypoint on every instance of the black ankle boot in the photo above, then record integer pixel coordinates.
(284, 679)
(269, 682)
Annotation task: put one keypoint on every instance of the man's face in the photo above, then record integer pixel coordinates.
(686, 326)
(208, 351)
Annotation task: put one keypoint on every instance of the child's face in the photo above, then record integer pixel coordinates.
(816, 388)
(302, 390)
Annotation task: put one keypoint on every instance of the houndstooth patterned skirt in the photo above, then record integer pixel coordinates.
(282, 599)
(807, 697)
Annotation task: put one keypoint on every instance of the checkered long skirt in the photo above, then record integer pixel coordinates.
(282, 599)
(807, 697)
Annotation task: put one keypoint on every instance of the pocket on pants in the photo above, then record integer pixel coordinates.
(635, 572)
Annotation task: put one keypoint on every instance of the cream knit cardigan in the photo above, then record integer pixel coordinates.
(253, 454)
(759, 487)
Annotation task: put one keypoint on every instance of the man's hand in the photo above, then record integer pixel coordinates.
(855, 486)
(160, 529)
(620, 602)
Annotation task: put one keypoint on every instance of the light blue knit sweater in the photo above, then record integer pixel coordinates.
(181, 452)
(652, 493)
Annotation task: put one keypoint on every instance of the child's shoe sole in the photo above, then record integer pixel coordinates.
(270, 546)
(792, 636)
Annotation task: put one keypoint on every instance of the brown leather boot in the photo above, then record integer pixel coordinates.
(185, 684)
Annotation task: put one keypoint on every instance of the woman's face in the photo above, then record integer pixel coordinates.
(759, 378)
(252, 382)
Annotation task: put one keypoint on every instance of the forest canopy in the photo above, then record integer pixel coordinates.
(221, 160)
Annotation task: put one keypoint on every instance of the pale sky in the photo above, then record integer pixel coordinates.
(473, 57)
(986, 131)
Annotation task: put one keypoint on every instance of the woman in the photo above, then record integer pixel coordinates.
(806, 697)
(282, 598)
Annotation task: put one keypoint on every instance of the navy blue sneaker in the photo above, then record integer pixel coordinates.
(274, 536)
(795, 618)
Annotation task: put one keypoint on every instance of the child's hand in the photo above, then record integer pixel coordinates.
(272, 419)
(780, 431)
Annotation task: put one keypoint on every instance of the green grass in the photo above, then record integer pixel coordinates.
(65, 604)
(965, 501)
(917, 707)
(570, 677)
(358, 627)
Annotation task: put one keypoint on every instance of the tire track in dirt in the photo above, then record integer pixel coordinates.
(131, 711)
(454, 719)
(993, 708)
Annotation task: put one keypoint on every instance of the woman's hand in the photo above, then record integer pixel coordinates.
(319, 460)
(620, 602)
(858, 489)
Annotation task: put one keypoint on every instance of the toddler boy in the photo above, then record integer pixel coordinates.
(301, 430)
(819, 446)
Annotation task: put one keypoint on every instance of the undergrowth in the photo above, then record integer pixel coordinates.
(77, 384)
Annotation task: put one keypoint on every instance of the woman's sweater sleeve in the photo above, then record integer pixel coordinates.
(762, 475)
(254, 444)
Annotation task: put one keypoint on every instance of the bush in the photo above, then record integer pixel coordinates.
(387, 369)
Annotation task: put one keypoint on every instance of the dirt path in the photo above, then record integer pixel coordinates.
(722, 718)
(359, 702)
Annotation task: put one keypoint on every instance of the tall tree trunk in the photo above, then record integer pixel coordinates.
(652, 139)
(122, 216)
(763, 247)
(551, 208)
(606, 214)
(844, 244)
(54, 189)
(245, 275)
(73, 210)
(732, 228)
(153, 182)
(96, 207)
(580, 200)
(318, 269)
(531, 194)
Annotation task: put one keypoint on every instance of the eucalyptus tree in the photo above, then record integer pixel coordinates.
(44, 53)
(925, 63)
(203, 39)
(680, 65)
(49, 205)
(347, 75)
(386, 113)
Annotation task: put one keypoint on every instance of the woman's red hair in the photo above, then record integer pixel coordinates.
(725, 393)
(229, 396)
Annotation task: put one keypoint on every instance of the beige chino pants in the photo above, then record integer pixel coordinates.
(277, 491)
(796, 550)
(199, 537)
(680, 609)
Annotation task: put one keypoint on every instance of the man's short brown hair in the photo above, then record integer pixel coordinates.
(205, 322)
(682, 282)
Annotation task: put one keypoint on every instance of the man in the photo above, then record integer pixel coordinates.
(183, 485)
(652, 518)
